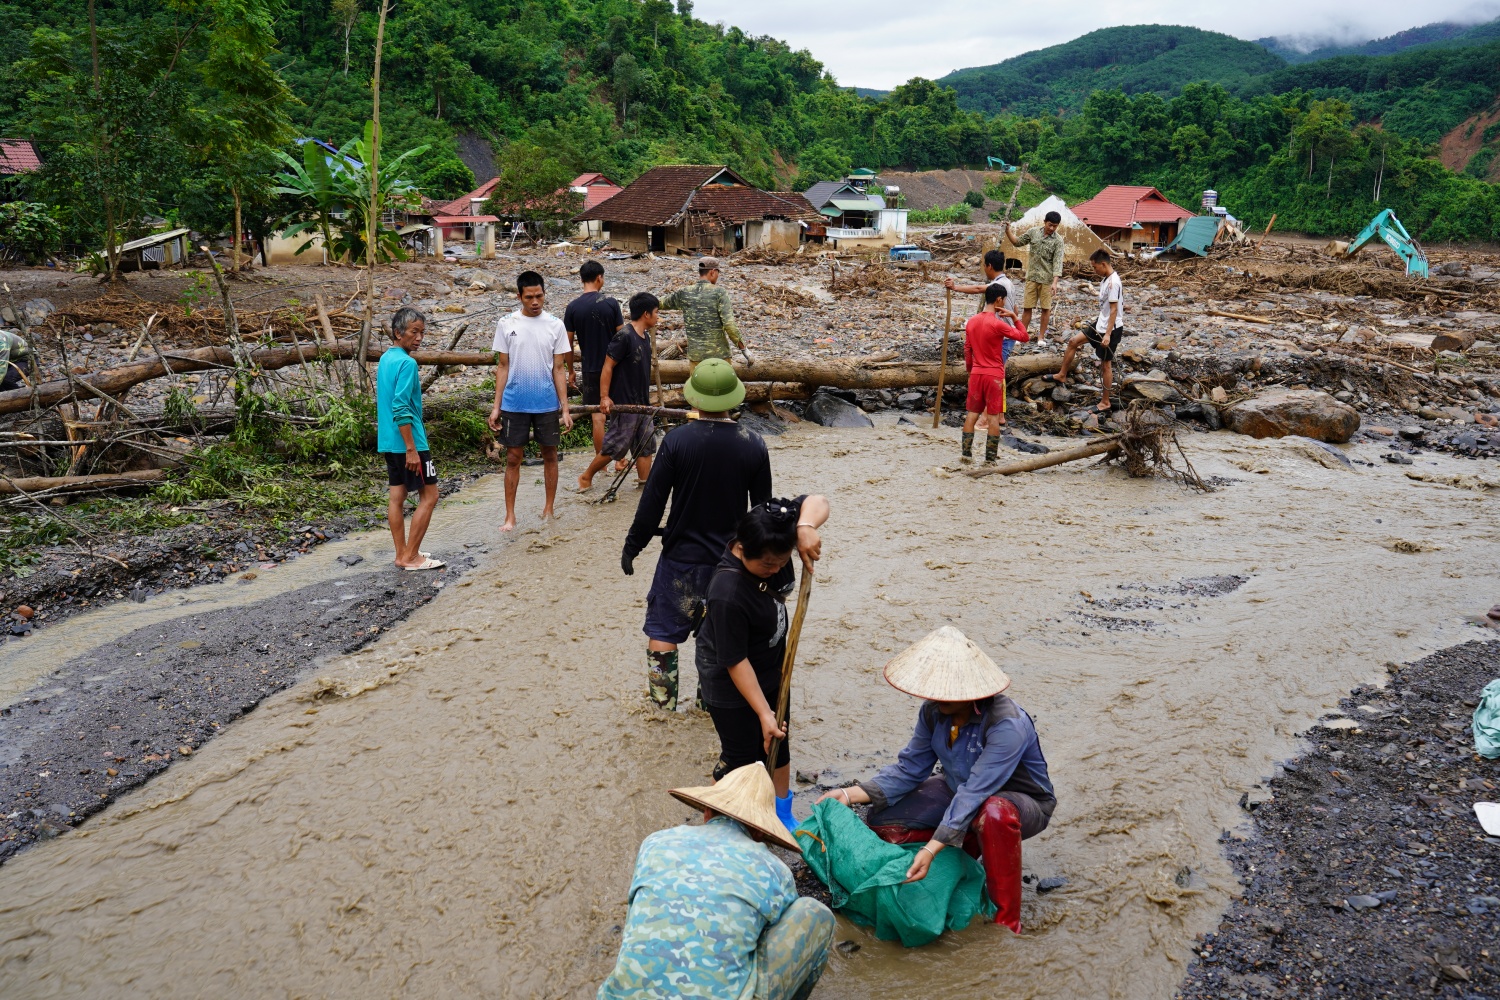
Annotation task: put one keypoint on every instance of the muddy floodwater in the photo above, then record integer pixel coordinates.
(455, 810)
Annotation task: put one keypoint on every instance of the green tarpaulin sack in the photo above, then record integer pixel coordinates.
(1487, 722)
(864, 874)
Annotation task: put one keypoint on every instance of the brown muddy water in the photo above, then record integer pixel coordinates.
(455, 810)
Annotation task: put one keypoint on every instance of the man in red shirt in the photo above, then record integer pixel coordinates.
(985, 335)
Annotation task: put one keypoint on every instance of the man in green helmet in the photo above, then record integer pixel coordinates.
(712, 470)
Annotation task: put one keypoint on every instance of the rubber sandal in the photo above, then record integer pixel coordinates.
(426, 564)
(1053, 379)
(1104, 408)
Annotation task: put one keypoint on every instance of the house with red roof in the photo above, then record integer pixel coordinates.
(700, 208)
(1126, 216)
(18, 156)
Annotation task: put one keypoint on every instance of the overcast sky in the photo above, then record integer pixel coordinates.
(880, 43)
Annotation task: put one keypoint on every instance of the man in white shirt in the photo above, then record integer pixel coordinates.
(531, 396)
(994, 274)
(1104, 332)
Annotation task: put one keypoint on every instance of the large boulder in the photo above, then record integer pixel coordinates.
(831, 410)
(1306, 412)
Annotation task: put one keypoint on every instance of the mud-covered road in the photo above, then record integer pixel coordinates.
(454, 809)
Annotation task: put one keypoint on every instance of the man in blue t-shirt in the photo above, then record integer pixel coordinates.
(531, 395)
(401, 437)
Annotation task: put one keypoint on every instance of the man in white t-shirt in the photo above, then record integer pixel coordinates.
(531, 396)
(1104, 332)
(994, 274)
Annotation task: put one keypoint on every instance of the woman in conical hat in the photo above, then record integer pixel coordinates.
(994, 790)
(713, 913)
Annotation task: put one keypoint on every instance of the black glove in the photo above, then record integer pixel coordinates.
(625, 563)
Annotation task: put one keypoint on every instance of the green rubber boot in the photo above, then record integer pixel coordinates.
(661, 679)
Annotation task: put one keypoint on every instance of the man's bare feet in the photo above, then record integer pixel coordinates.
(548, 514)
(510, 523)
(585, 483)
(620, 465)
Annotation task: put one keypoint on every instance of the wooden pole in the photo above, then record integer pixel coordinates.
(1099, 447)
(1268, 230)
(789, 660)
(937, 405)
(372, 215)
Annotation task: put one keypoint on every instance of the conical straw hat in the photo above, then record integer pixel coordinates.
(745, 794)
(945, 666)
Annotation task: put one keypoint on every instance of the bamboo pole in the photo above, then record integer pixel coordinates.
(372, 215)
(937, 405)
(788, 661)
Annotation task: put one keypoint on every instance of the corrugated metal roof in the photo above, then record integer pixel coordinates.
(464, 205)
(155, 240)
(462, 220)
(857, 205)
(1196, 235)
(1118, 205)
(18, 156)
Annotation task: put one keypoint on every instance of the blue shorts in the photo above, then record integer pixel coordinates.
(674, 605)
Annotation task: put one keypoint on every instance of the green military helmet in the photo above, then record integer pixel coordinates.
(714, 387)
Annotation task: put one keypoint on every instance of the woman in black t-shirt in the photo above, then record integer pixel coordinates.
(743, 638)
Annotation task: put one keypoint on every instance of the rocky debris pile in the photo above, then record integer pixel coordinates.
(1367, 874)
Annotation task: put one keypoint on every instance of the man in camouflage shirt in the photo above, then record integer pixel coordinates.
(707, 315)
(14, 353)
(1043, 268)
(713, 913)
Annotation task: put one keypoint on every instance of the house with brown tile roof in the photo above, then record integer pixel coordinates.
(696, 208)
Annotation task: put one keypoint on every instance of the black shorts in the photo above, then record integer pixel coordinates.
(397, 474)
(1100, 350)
(10, 377)
(740, 741)
(589, 383)
(518, 428)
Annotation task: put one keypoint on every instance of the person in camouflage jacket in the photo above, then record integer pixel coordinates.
(707, 315)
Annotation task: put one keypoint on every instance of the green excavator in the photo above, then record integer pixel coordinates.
(1394, 235)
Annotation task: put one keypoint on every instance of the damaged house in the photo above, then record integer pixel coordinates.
(690, 208)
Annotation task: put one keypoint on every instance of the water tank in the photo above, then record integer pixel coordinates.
(1210, 199)
(892, 189)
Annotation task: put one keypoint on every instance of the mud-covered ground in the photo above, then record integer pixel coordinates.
(112, 719)
(1368, 874)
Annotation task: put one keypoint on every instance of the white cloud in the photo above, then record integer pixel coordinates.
(880, 43)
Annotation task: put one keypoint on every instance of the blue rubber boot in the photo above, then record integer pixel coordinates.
(784, 812)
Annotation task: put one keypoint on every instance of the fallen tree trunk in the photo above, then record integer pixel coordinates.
(1099, 447)
(851, 374)
(79, 484)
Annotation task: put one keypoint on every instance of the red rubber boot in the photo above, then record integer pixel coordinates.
(1000, 842)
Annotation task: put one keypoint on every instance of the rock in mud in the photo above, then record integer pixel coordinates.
(1046, 885)
(1151, 390)
(1325, 453)
(351, 558)
(1304, 412)
(831, 410)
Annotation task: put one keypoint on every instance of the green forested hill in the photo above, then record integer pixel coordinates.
(1444, 33)
(1422, 92)
(1152, 58)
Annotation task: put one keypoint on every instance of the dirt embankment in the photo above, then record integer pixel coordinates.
(1473, 134)
(1368, 874)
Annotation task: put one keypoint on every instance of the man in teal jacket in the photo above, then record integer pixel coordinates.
(403, 440)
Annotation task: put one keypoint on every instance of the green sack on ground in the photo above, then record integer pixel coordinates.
(864, 874)
(1487, 721)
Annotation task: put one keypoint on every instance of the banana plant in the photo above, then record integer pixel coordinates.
(337, 199)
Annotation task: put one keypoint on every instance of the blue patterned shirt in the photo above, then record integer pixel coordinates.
(532, 344)
(700, 897)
